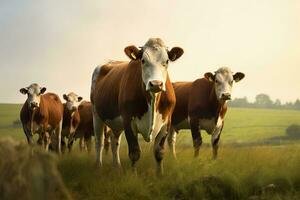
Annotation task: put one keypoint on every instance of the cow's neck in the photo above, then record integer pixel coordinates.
(68, 116)
(152, 100)
(218, 107)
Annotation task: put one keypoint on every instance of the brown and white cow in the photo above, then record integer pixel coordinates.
(202, 105)
(71, 118)
(136, 97)
(42, 114)
(78, 123)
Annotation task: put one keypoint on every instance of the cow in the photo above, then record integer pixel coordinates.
(71, 118)
(136, 97)
(202, 105)
(78, 123)
(42, 114)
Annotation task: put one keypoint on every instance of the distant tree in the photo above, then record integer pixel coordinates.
(239, 102)
(297, 104)
(277, 103)
(263, 101)
(289, 105)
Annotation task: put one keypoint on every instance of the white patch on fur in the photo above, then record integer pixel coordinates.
(155, 64)
(223, 84)
(217, 129)
(150, 123)
(72, 102)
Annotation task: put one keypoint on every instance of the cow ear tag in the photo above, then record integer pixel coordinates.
(133, 56)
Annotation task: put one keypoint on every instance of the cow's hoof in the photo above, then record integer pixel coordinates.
(98, 165)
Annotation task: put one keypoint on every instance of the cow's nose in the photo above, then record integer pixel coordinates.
(155, 86)
(33, 104)
(226, 96)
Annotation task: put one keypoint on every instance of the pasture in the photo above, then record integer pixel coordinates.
(256, 161)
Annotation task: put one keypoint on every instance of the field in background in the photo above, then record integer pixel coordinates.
(256, 161)
(242, 125)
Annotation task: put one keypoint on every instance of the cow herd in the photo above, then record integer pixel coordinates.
(134, 97)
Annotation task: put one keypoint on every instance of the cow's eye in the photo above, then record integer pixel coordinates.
(231, 82)
(143, 61)
(217, 81)
(166, 63)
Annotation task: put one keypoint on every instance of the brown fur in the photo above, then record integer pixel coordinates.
(194, 101)
(121, 92)
(50, 112)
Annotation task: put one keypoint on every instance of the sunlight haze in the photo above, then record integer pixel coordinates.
(59, 43)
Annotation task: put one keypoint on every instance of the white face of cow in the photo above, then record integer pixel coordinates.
(154, 58)
(223, 82)
(34, 92)
(73, 101)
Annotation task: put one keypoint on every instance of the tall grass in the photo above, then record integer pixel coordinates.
(238, 173)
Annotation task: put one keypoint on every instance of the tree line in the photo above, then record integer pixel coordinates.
(264, 101)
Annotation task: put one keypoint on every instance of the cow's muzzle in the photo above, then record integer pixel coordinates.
(33, 105)
(155, 86)
(226, 96)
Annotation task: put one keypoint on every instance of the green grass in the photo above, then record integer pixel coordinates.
(240, 172)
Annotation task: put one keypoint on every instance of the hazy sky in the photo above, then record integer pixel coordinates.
(59, 43)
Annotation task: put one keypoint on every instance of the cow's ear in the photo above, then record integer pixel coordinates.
(80, 99)
(209, 76)
(238, 76)
(24, 90)
(43, 90)
(175, 53)
(133, 52)
(65, 97)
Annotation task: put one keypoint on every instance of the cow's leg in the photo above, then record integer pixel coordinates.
(98, 131)
(133, 144)
(159, 144)
(70, 144)
(197, 139)
(215, 137)
(28, 134)
(47, 140)
(57, 132)
(88, 142)
(172, 141)
(40, 140)
(63, 145)
(82, 144)
(115, 148)
(107, 141)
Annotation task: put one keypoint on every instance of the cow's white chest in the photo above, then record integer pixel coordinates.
(148, 125)
(211, 126)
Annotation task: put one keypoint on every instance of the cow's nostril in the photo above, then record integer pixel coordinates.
(155, 83)
(226, 96)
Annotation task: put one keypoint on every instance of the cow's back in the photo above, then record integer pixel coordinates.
(106, 90)
(86, 117)
(52, 105)
(202, 99)
(182, 93)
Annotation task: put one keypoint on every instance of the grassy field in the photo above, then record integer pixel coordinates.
(256, 161)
